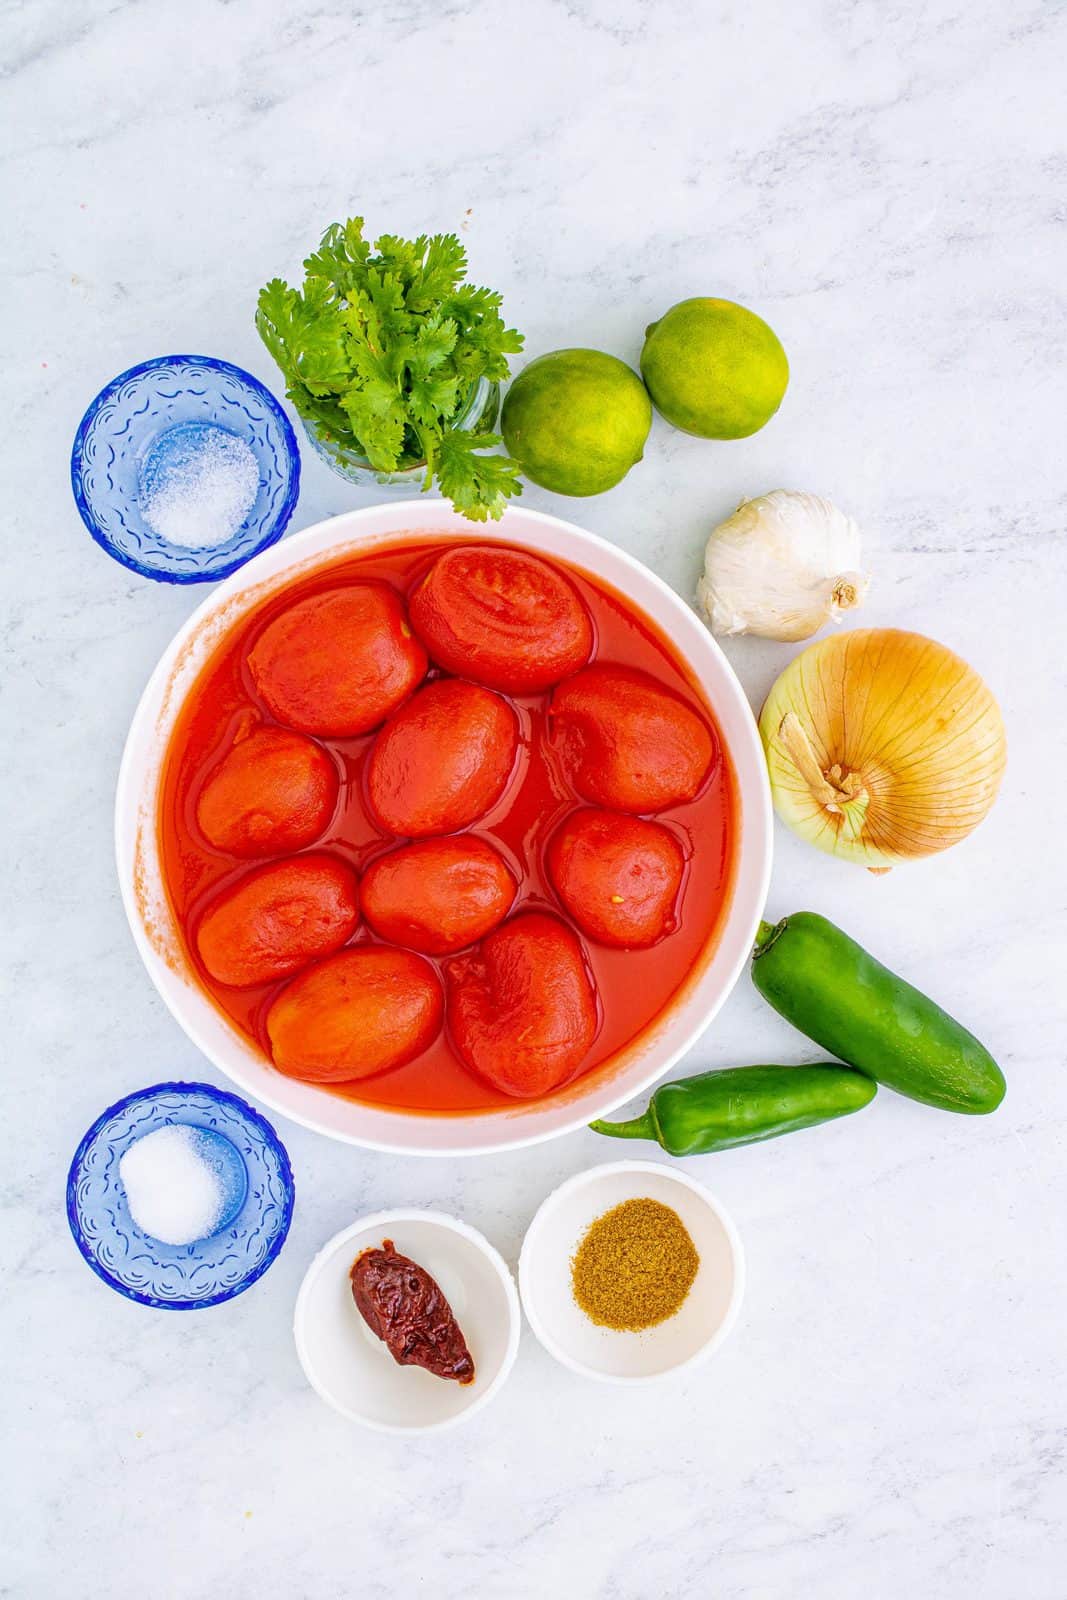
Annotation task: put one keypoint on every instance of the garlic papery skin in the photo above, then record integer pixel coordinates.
(882, 746)
(782, 566)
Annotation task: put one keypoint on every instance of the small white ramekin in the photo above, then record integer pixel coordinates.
(351, 1369)
(696, 1330)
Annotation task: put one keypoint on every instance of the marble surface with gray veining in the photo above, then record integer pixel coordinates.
(885, 183)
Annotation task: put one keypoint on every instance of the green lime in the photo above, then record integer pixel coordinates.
(576, 420)
(714, 369)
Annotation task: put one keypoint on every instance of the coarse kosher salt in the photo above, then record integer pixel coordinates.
(204, 491)
(172, 1192)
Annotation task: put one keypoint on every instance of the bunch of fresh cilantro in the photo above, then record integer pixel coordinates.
(380, 352)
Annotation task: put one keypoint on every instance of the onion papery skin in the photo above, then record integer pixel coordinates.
(903, 733)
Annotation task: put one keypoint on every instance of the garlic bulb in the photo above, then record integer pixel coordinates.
(882, 746)
(782, 566)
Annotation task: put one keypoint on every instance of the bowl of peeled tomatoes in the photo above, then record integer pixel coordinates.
(443, 839)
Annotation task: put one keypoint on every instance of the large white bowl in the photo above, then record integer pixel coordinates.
(155, 930)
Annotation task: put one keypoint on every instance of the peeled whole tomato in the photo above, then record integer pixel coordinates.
(271, 794)
(503, 618)
(442, 760)
(356, 1013)
(339, 662)
(277, 918)
(618, 876)
(438, 895)
(521, 1007)
(627, 742)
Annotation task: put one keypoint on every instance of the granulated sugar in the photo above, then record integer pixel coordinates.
(173, 1193)
(201, 485)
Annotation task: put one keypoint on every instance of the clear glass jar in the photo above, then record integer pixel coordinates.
(479, 415)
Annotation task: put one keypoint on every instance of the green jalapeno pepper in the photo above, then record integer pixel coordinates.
(743, 1105)
(827, 985)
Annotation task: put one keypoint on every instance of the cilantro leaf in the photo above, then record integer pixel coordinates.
(442, 268)
(323, 412)
(478, 485)
(341, 257)
(401, 257)
(433, 344)
(378, 418)
(381, 350)
(305, 338)
(432, 399)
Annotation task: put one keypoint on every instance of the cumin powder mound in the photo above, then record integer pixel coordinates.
(634, 1266)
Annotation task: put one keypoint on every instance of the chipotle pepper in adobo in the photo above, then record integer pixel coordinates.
(402, 1304)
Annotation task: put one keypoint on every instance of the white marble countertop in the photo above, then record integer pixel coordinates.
(885, 184)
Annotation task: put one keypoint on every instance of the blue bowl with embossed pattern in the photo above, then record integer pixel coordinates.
(190, 1276)
(142, 423)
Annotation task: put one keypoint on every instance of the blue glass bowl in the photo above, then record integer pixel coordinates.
(179, 1277)
(127, 427)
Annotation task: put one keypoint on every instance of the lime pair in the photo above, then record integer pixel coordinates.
(577, 420)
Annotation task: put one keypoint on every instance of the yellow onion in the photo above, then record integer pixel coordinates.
(882, 746)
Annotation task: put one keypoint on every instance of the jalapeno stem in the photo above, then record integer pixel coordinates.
(642, 1127)
(766, 934)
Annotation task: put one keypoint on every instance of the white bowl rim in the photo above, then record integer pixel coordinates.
(737, 1253)
(435, 519)
(373, 1221)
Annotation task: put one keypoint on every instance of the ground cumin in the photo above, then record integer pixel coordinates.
(634, 1266)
